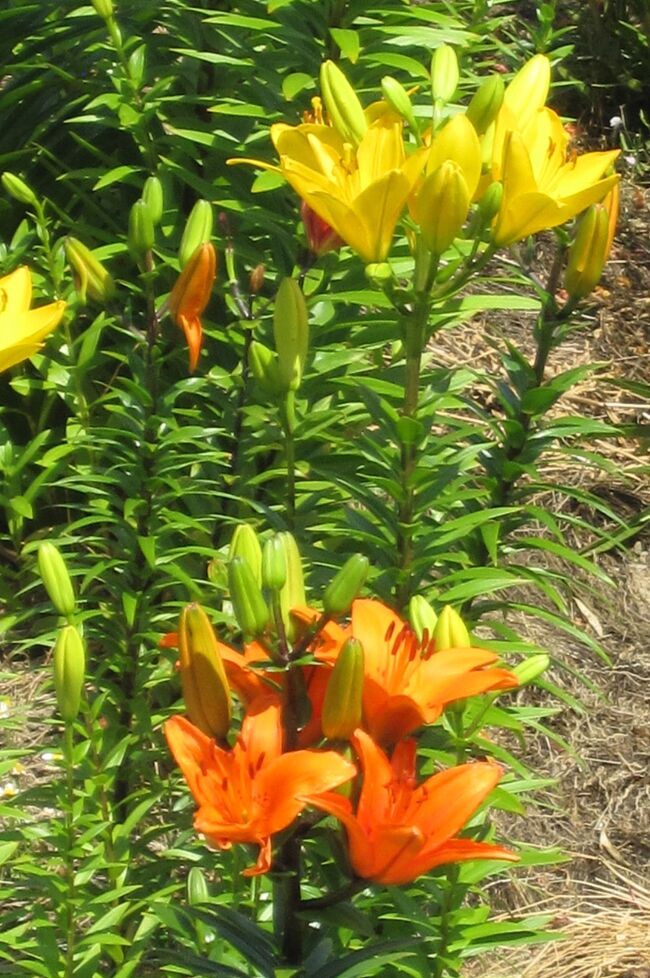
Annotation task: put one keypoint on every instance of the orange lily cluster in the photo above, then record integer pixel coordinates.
(279, 765)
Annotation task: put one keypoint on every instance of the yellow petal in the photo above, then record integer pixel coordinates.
(21, 333)
(16, 291)
(528, 90)
(457, 141)
(582, 172)
(380, 151)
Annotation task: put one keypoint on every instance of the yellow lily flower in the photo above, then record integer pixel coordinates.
(452, 175)
(22, 329)
(360, 192)
(544, 185)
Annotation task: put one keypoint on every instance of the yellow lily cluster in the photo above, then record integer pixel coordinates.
(22, 329)
(544, 184)
(358, 173)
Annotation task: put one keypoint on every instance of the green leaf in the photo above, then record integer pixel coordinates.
(348, 42)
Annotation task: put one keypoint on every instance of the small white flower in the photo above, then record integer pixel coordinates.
(8, 790)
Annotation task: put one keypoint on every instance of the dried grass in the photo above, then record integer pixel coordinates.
(606, 935)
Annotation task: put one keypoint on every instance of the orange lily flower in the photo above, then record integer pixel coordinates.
(249, 793)
(401, 830)
(190, 296)
(407, 685)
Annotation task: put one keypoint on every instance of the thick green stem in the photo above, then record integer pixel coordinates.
(414, 328)
(70, 923)
(288, 420)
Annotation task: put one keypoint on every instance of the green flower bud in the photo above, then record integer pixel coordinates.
(55, 577)
(342, 706)
(398, 99)
(152, 194)
(490, 203)
(379, 272)
(291, 332)
(198, 230)
(94, 280)
(533, 667)
(450, 631)
(203, 677)
(422, 617)
(274, 565)
(444, 73)
(588, 252)
(342, 104)
(18, 189)
(245, 543)
(265, 369)
(248, 603)
(485, 103)
(104, 8)
(69, 671)
(141, 231)
(345, 586)
(441, 206)
(197, 887)
(292, 594)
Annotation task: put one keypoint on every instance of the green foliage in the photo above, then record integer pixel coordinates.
(138, 471)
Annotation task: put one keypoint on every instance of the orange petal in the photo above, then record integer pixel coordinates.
(189, 747)
(289, 779)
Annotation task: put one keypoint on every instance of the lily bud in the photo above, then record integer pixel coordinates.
(321, 238)
(533, 667)
(104, 8)
(245, 543)
(342, 103)
(345, 586)
(398, 99)
(490, 203)
(256, 279)
(292, 594)
(528, 90)
(291, 332)
(588, 252)
(190, 296)
(248, 603)
(274, 565)
(69, 671)
(203, 678)
(342, 706)
(444, 73)
(141, 231)
(450, 631)
(55, 577)
(152, 194)
(441, 206)
(94, 280)
(18, 189)
(198, 230)
(422, 617)
(197, 887)
(265, 369)
(485, 103)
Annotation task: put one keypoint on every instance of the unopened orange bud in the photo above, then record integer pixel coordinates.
(321, 238)
(256, 279)
(203, 677)
(191, 294)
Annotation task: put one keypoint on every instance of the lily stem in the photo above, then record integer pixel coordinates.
(288, 420)
(70, 924)
(414, 332)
